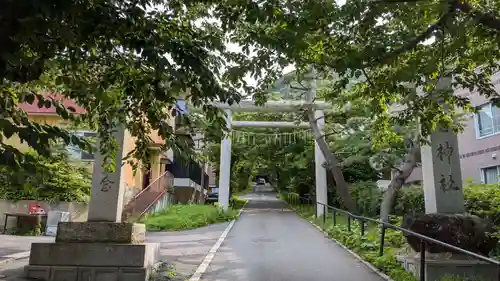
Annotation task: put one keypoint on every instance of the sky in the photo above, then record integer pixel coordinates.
(250, 80)
(237, 48)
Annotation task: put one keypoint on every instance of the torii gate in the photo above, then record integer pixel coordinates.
(271, 106)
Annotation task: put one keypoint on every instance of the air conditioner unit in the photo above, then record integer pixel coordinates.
(53, 219)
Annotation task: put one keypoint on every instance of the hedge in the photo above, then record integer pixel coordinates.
(482, 200)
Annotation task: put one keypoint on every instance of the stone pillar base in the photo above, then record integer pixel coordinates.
(94, 251)
(437, 269)
(100, 232)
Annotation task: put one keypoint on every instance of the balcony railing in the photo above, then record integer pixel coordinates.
(188, 169)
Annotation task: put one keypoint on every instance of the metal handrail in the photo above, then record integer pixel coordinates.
(160, 195)
(149, 186)
(385, 225)
(151, 204)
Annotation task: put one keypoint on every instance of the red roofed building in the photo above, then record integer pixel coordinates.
(33, 109)
(157, 173)
(134, 182)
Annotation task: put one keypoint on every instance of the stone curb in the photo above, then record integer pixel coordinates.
(13, 257)
(241, 210)
(367, 264)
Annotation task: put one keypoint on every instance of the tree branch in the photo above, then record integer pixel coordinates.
(341, 185)
(485, 19)
(319, 118)
(398, 181)
(368, 79)
(300, 83)
(295, 88)
(326, 135)
(397, 169)
(386, 58)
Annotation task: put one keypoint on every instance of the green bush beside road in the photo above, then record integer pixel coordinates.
(480, 199)
(183, 217)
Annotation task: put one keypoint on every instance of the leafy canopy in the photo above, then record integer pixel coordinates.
(122, 61)
(127, 61)
(379, 50)
(288, 162)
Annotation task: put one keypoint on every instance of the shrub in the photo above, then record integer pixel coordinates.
(483, 200)
(238, 202)
(367, 196)
(54, 178)
(480, 199)
(409, 200)
(181, 217)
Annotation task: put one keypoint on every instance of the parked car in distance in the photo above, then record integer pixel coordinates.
(213, 197)
(261, 181)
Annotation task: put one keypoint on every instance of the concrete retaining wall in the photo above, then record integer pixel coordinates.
(77, 210)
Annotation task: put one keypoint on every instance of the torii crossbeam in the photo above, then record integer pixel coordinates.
(270, 106)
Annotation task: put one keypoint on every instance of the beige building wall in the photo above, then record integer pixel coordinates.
(476, 153)
(133, 179)
(42, 119)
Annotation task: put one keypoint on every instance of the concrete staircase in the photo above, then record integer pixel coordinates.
(147, 198)
(139, 204)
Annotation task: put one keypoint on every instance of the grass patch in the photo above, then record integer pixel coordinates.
(166, 272)
(183, 217)
(238, 202)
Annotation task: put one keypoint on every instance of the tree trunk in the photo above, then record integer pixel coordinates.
(341, 185)
(398, 181)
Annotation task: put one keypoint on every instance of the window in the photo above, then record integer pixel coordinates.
(181, 110)
(181, 107)
(488, 120)
(76, 152)
(490, 175)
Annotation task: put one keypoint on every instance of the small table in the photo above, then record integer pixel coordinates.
(18, 215)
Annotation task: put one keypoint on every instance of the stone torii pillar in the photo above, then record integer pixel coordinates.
(442, 179)
(225, 164)
(103, 248)
(320, 171)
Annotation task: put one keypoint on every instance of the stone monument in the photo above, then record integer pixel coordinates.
(445, 217)
(103, 248)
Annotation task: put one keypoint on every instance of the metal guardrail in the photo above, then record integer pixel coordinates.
(424, 240)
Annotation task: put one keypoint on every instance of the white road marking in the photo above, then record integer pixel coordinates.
(13, 257)
(211, 254)
(17, 256)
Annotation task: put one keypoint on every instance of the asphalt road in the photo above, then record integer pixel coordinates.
(270, 243)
